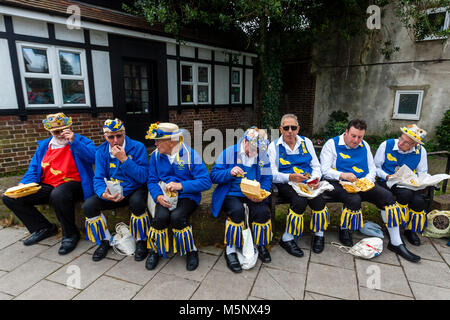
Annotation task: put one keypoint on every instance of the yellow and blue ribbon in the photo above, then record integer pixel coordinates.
(95, 229)
(294, 223)
(319, 220)
(139, 226)
(183, 240)
(262, 233)
(351, 219)
(417, 221)
(158, 241)
(233, 234)
(404, 213)
(393, 216)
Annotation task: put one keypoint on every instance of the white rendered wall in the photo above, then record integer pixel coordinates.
(7, 90)
(30, 27)
(248, 86)
(222, 85)
(172, 82)
(102, 78)
(64, 33)
(99, 38)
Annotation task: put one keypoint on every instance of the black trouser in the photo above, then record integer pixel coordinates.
(179, 217)
(414, 199)
(137, 201)
(62, 199)
(299, 203)
(258, 211)
(377, 195)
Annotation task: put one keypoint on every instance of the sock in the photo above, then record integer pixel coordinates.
(231, 250)
(319, 234)
(394, 233)
(287, 237)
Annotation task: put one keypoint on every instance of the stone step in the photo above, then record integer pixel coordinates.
(441, 202)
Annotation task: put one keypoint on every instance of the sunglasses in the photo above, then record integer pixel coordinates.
(57, 132)
(293, 128)
(117, 136)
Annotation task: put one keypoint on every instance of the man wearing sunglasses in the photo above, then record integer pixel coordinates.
(293, 160)
(348, 158)
(62, 166)
(392, 154)
(123, 161)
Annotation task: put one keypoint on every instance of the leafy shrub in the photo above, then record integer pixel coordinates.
(336, 125)
(443, 132)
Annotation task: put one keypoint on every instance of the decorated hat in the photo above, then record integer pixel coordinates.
(414, 132)
(57, 121)
(257, 138)
(113, 125)
(164, 130)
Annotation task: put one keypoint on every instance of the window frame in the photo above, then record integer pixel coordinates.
(237, 85)
(54, 74)
(403, 116)
(446, 21)
(195, 82)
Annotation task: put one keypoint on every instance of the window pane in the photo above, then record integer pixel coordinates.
(126, 70)
(236, 79)
(143, 71)
(202, 74)
(187, 93)
(35, 60)
(408, 103)
(70, 63)
(235, 95)
(437, 21)
(186, 73)
(144, 84)
(73, 91)
(39, 91)
(203, 95)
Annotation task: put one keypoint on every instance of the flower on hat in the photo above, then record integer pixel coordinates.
(257, 138)
(152, 131)
(414, 132)
(56, 122)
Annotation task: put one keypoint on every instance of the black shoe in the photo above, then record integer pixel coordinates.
(152, 261)
(233, 262)
(40, 235)
(292, 248)
(264, 254)
(318, 244)
(412, 237)
(345, 237)
(68, 244)
(101, 251)
(403, 252)
(191, 260)
(141, 250)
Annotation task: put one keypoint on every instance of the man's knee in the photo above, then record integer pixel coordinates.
(352, 202)
(299, 204)
(237, 214)
(403, 195)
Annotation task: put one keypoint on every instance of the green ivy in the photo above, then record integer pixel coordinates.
(443, 132)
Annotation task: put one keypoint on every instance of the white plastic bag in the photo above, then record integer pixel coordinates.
(249, 255)
(404, 175)
(367, 248)
(114, 187)
(151, 205)
(123, 242)
(324, 186)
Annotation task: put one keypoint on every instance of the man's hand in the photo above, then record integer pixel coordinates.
(254, 199)
(314, 185)
(108, 196)
(388, 176)
(174, 186)
(237, 171)
(118, 152)
(297, 177)
(68, 135)
(348, 176)
(161, 199)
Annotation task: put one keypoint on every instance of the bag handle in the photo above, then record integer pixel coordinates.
(341, 247)
(246, 214)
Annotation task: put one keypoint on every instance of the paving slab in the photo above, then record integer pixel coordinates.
(211, 250)
(446, 258)
(16, 254)
(110, 255)
(2, 273)
(52, 240)
(167, 287)
(88, 271)
(305, 241)
(177, 266)
(254, 298)
(382, 277)
(10, 235)
(53, 255)
(428, 272)
(220, 285)
(25, 276)
(332, 281)
(134, 271)
(47, 290)
(221, 265)
(426, 250)
(387, 256)
(425, 292)
(107, 288)
(373, 294)
(274, 284)
(334, 257)
(441, 245)
(316, 296)
(284, 261)
(4, 296)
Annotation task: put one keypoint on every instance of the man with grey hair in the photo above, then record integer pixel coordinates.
(293, 160)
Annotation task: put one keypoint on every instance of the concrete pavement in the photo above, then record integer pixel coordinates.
(38, 272)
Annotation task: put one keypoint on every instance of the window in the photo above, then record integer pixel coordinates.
(236, 86)
(408, 104)
(438, 20)
(53, 76)
(195, 84)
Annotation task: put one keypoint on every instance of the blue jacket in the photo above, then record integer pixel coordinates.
(187, 169)
(132, 173)
(220, 174)
(83, 152)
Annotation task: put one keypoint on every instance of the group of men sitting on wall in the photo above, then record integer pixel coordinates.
(63, 166)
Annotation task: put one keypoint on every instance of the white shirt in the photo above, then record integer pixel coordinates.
(422, 167)
(279, 177)
(246, 160)
(328, 158)
(53, 144)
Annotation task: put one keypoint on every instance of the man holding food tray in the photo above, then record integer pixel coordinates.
(294, 163)
(347, 163)
(60, 173)
(121, 166)
(392, 154)
(176, 172)
(248, 158)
